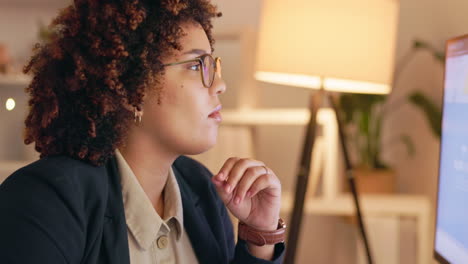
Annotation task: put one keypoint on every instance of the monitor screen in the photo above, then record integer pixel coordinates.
(451, 230)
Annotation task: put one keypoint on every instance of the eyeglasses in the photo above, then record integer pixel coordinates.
(209, 65)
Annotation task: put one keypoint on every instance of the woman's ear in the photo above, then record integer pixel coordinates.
(131, 107)
(136, 110)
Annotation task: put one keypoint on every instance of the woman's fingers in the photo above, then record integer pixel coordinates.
(237, 172)
(245, 183)
(227, 166)
(241, 178)
(225, 197)
(261, 183)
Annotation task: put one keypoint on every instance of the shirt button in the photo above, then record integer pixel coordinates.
(162, 242)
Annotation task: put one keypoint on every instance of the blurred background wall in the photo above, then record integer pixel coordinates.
(325, 239)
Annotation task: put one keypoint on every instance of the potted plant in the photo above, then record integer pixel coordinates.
(363, 116)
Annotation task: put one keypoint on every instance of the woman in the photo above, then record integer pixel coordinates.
(120, 93)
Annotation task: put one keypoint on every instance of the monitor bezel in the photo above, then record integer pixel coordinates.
(438, 256)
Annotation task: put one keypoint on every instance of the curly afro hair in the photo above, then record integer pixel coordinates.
(102, 55)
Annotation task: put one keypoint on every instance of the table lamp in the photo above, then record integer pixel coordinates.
(331, 46)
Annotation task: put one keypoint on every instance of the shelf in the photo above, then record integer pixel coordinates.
(286, 116)
(275, 116)
(14, 79)
(374, 207)
(372, 204)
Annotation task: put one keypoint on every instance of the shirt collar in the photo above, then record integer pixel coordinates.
(142, 219)
(173, 203)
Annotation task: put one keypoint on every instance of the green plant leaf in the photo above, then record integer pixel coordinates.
(420, 44)
(432, 112)
(438, 55)
(353, 103)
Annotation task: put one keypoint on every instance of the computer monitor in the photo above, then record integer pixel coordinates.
(451, 229)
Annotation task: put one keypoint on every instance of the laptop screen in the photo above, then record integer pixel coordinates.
(451, 231)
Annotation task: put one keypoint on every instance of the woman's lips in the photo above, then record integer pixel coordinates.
(216, 116)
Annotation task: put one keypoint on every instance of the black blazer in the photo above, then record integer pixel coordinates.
(62, 210)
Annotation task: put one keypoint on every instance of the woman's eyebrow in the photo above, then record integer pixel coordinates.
(197, 52)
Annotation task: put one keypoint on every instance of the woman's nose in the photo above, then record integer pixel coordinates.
(219, 86)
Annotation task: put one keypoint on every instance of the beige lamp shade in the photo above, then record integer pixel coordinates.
(340, 45)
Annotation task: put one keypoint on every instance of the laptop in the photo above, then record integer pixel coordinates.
(451, 229)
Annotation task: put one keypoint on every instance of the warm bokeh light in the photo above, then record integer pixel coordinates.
(299, 80)
(10, 104)
(349, 44)
(329, 84)
(349, 86)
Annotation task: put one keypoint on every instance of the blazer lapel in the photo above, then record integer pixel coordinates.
(197, 226)
(115, 242)
(114, 239)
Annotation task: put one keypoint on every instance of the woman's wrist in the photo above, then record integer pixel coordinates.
(265, 252)
(261, 241)
(269, 227)
(265, 225)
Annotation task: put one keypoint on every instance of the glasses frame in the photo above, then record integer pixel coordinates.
(217, 67)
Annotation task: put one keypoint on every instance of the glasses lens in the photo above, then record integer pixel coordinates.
(218, 66)
(208, 70)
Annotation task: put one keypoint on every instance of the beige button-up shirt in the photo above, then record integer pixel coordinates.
(154, 239)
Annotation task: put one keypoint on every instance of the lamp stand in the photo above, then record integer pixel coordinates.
(302, 178)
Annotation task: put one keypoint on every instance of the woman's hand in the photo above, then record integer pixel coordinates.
(251, 191)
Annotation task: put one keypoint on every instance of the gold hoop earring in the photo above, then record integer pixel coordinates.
(138, 115)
